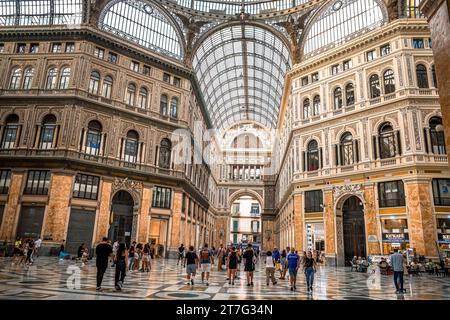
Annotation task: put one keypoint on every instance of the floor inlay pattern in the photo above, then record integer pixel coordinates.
(51, 279)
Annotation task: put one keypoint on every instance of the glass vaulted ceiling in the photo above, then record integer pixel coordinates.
(241, 73)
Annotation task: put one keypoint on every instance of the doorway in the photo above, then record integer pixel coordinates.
(122, 212)
(80, 230)
(354, 229)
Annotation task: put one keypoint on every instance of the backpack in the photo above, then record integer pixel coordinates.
(205, 255)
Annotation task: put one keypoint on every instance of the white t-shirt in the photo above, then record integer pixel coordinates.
(37, 244)
(269, 262)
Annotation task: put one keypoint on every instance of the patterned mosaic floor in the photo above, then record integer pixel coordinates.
(50, 279)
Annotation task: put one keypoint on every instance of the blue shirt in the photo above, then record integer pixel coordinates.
(397, 262)
(292, 259)
(276, 255)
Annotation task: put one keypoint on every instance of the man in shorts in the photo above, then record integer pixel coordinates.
(206, 260)
(191, 265)
(293, 264)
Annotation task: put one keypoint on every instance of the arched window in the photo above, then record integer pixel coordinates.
(47, 137)
(10, 132)
(163, 105)
(349, 95)
(52, 76)
(130, 94)
(65, 78)
(433, 75)
(164, 153)
(306, 106)
(28, 78)
(316, 105)
(388, 145)
(337, 98)
(312, 157)
(143, 98)
(422, 76)
(389, 81)
(94, 82)
(374, 83)
(93, 138)
(16, 77)
(107, 87)
(174, 107)
(347, 152)
(131, 146)
(437, 136)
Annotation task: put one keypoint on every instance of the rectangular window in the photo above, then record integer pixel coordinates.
(146, 70)
(70, 47)
(134, 66)
(304, 81)
(430, 43)
(235, 225)
(21, 47)
(418, 44)
(112, 58)
(176, 82)
(34, 48)
(38, 182)
(254, 208)
(335, 69)
(441, 192)
(371, 55)
(385, 50)
(166, 77)
(236, 208)
(347, 64)
(2, 47)
(313, 201)
(391, 194)
(161, 197)
(5, 180)
(99, 52)
(86, 187)
(57, 48)
(315, 77)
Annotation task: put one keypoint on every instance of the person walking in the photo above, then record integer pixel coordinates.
(206, 260)
(61, 248)
(239, 261)
(37, 247)
(131, 256)
(397, 266)
(121, 266)
(146, 267)
(103, 251)
(115, 247)
(309, 268)
(29, 259)
(249, 256)
(270, 268)
(283, 264)
(181, 255)
(293, 260)
(191, 265)
(220, 254)
(232, 261)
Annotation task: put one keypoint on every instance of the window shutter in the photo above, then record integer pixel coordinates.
(356, 151)
(399, 143)
(425, 138)
(321, 158)
(336, 155)
(304, 160)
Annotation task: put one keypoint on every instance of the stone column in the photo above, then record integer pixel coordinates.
(176, 223)
(298, 221)
(58, 209)
(267, 233)
(12, 208)
(144, 214)
(330, 228)
(421, 222)
(370, 217)
(104, 213)
(438, 13)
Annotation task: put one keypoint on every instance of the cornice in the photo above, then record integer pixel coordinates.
(430, 7)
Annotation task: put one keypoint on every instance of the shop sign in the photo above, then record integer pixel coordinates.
(395, 237)
(444, 237)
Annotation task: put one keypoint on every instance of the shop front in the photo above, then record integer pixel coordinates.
(315, 237)
(443, 233)
(394, 235)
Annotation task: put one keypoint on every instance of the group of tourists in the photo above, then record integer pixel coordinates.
(26, 250)
(231, 258)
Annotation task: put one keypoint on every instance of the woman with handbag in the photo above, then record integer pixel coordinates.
(121, 261)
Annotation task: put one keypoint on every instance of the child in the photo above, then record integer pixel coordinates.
(84, 257)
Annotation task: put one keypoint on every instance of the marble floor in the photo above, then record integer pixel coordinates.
(51, 279)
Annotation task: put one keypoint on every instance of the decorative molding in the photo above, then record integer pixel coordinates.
(354, 189)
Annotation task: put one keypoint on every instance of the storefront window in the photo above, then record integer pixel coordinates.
(443, 231)
(395, 235)
(315, 237)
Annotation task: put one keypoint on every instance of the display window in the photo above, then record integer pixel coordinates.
(394, 235)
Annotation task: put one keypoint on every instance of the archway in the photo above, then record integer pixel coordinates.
(353, 229)
(245, 222)
(122, 217)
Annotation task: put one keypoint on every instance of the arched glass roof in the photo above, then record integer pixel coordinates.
(144, 24)
(340, 20)
(241, 73)
(40, 12)
(231, 7)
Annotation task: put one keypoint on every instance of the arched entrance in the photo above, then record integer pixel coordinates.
(122, 216)
(353, 229)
